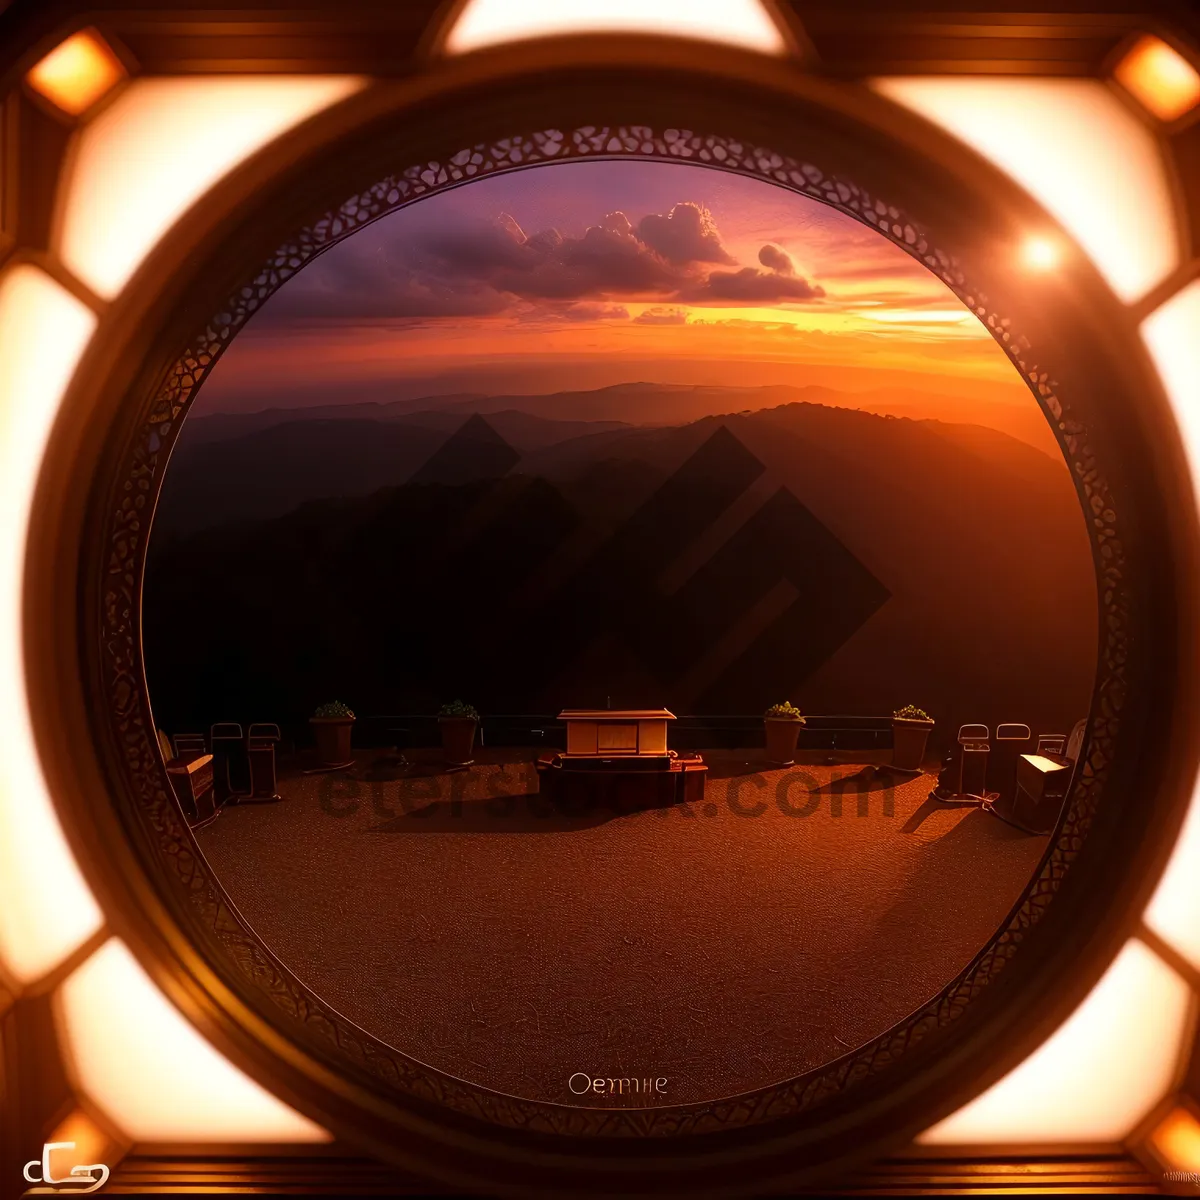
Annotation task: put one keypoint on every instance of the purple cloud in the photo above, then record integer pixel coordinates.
(751, 286)
(580, 311)
(658, 315)
(775, 259)
(380, 286)
(484, 267)
(687, 234)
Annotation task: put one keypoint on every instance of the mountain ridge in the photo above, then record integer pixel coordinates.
(646, 403)
(982, 550)
(272, 468)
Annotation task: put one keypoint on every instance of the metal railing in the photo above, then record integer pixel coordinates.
(687, 732)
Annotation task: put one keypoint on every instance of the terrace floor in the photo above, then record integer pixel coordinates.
(794, 915)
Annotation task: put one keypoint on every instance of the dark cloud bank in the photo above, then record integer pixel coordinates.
(480, 268)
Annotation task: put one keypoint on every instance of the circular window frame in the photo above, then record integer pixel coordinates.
(91, 713)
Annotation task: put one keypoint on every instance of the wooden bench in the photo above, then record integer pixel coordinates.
(192, 779)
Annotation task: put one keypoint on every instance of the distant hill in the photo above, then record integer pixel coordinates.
(677, 404)
(270, 471)
(263, 464)
(435, 412)
(229, 468)
(849, 561)
(647, 404)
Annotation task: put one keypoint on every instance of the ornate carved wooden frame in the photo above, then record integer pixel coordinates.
(837, 145)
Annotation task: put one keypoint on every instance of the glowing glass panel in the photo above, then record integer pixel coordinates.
(1176, 1140)
(1170, 334)
(1160, 78)
(1075, 148)
(158, 147)
(1098, 1075)
(1174, 912)
(737, 22)
(86, 1145)
(77, 73)
(46, 909)
(152, 1073)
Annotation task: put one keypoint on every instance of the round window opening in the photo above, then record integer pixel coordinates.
(623, 634)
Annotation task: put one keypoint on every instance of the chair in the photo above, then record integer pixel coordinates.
(1074, 749)
(1044, 781)
(191, 774)
(188, 745)
(229, 762)
(192, 783)
(1010, 743)
(1075, 741)
(963, 778)
(261, 739)
(403, 737)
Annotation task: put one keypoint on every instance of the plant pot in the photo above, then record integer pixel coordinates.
(909, 738)
(333, 739)
(458, 739)
(782, 733)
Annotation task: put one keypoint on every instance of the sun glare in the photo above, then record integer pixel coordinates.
(1040, 253)
(1078, 150)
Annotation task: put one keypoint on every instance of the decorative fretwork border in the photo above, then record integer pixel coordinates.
(145, 794)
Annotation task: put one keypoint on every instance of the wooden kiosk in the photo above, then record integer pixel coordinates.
(618, 758)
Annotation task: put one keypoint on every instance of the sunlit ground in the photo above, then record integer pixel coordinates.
(793, 916)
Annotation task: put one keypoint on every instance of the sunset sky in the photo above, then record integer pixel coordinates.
(583, 275)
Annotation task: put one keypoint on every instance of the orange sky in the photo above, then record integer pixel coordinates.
(585, 274)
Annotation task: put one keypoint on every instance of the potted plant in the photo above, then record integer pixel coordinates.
(782, 724)
(458, 722)
(331, 725)
(910, 733)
